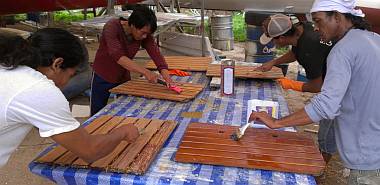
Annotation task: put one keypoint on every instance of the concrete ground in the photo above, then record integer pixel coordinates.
(16, 172)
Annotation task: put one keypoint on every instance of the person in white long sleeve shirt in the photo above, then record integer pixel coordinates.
(350, 92)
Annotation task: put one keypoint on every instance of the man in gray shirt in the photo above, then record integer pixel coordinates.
(350, 92)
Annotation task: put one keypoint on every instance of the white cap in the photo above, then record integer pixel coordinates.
(274, 26)
(342, 6)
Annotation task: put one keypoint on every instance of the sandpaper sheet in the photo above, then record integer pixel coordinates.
(146, 89)
(184, 63)
(126, 157)
(258, 149)
(246, 72)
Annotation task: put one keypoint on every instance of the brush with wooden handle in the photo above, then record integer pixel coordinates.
(240, 132)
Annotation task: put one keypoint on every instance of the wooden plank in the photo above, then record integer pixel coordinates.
(122, 159)
(107, 160)
(142, 123)
(259, 137)
(143, 88)
(245, 143)
(252, 150)
(211, 144)
(102, 162)
(69, 157)
(184, 63)
(58, 151)
(246, 72)
(131, 152)
(262, 131)
(275, 158)
(147, 155)
(254, 164)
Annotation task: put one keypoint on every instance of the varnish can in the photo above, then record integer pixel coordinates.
(227, 77)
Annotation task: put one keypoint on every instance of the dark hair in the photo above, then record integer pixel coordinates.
(42, 48)
(15, 51)
(358, 22)
(143, 16)
(53, 43)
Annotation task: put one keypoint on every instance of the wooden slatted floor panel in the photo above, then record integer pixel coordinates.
(246, 72)
(258, 148)
(143, 88)
(126, 157)
(184, 63)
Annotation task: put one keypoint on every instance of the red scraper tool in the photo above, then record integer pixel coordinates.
(171, 87)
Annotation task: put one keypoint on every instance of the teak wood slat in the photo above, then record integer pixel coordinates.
(58, 151)
(258, 148)
(130, 153)
(70, 157)
(184, 63)
(102, 163)
(126, 157)
(246, 72)
(141, 164)
(146, 89)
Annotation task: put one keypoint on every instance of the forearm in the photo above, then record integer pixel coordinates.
(89, 147)
(298, 118)
(102, 145)
(284, 59)
(309, 87)
(130, 65)
(165, 74)
(313, 86)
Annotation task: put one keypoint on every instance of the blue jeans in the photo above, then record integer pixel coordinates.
(99, 93)
(326, 136)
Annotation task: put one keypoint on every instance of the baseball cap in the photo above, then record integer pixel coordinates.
(275, 26)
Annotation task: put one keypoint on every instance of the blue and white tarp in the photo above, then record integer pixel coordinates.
(164, 170)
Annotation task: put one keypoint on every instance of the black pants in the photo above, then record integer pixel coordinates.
(99, 93)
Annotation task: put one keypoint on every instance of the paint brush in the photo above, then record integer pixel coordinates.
(240, 132)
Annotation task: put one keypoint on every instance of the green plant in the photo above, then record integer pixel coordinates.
(239, 26)
(20, 17)
(279, 51)
(65, 16)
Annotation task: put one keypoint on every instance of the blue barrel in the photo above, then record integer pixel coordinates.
(254, 50)
(301, 74)
(254, 32)
(258, 58)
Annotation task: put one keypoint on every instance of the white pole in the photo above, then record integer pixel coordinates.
(203, 27)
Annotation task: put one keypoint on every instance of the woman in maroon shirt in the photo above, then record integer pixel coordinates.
(120, 41)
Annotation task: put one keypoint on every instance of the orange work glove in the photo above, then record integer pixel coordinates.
(178, 72)
(290, 84)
